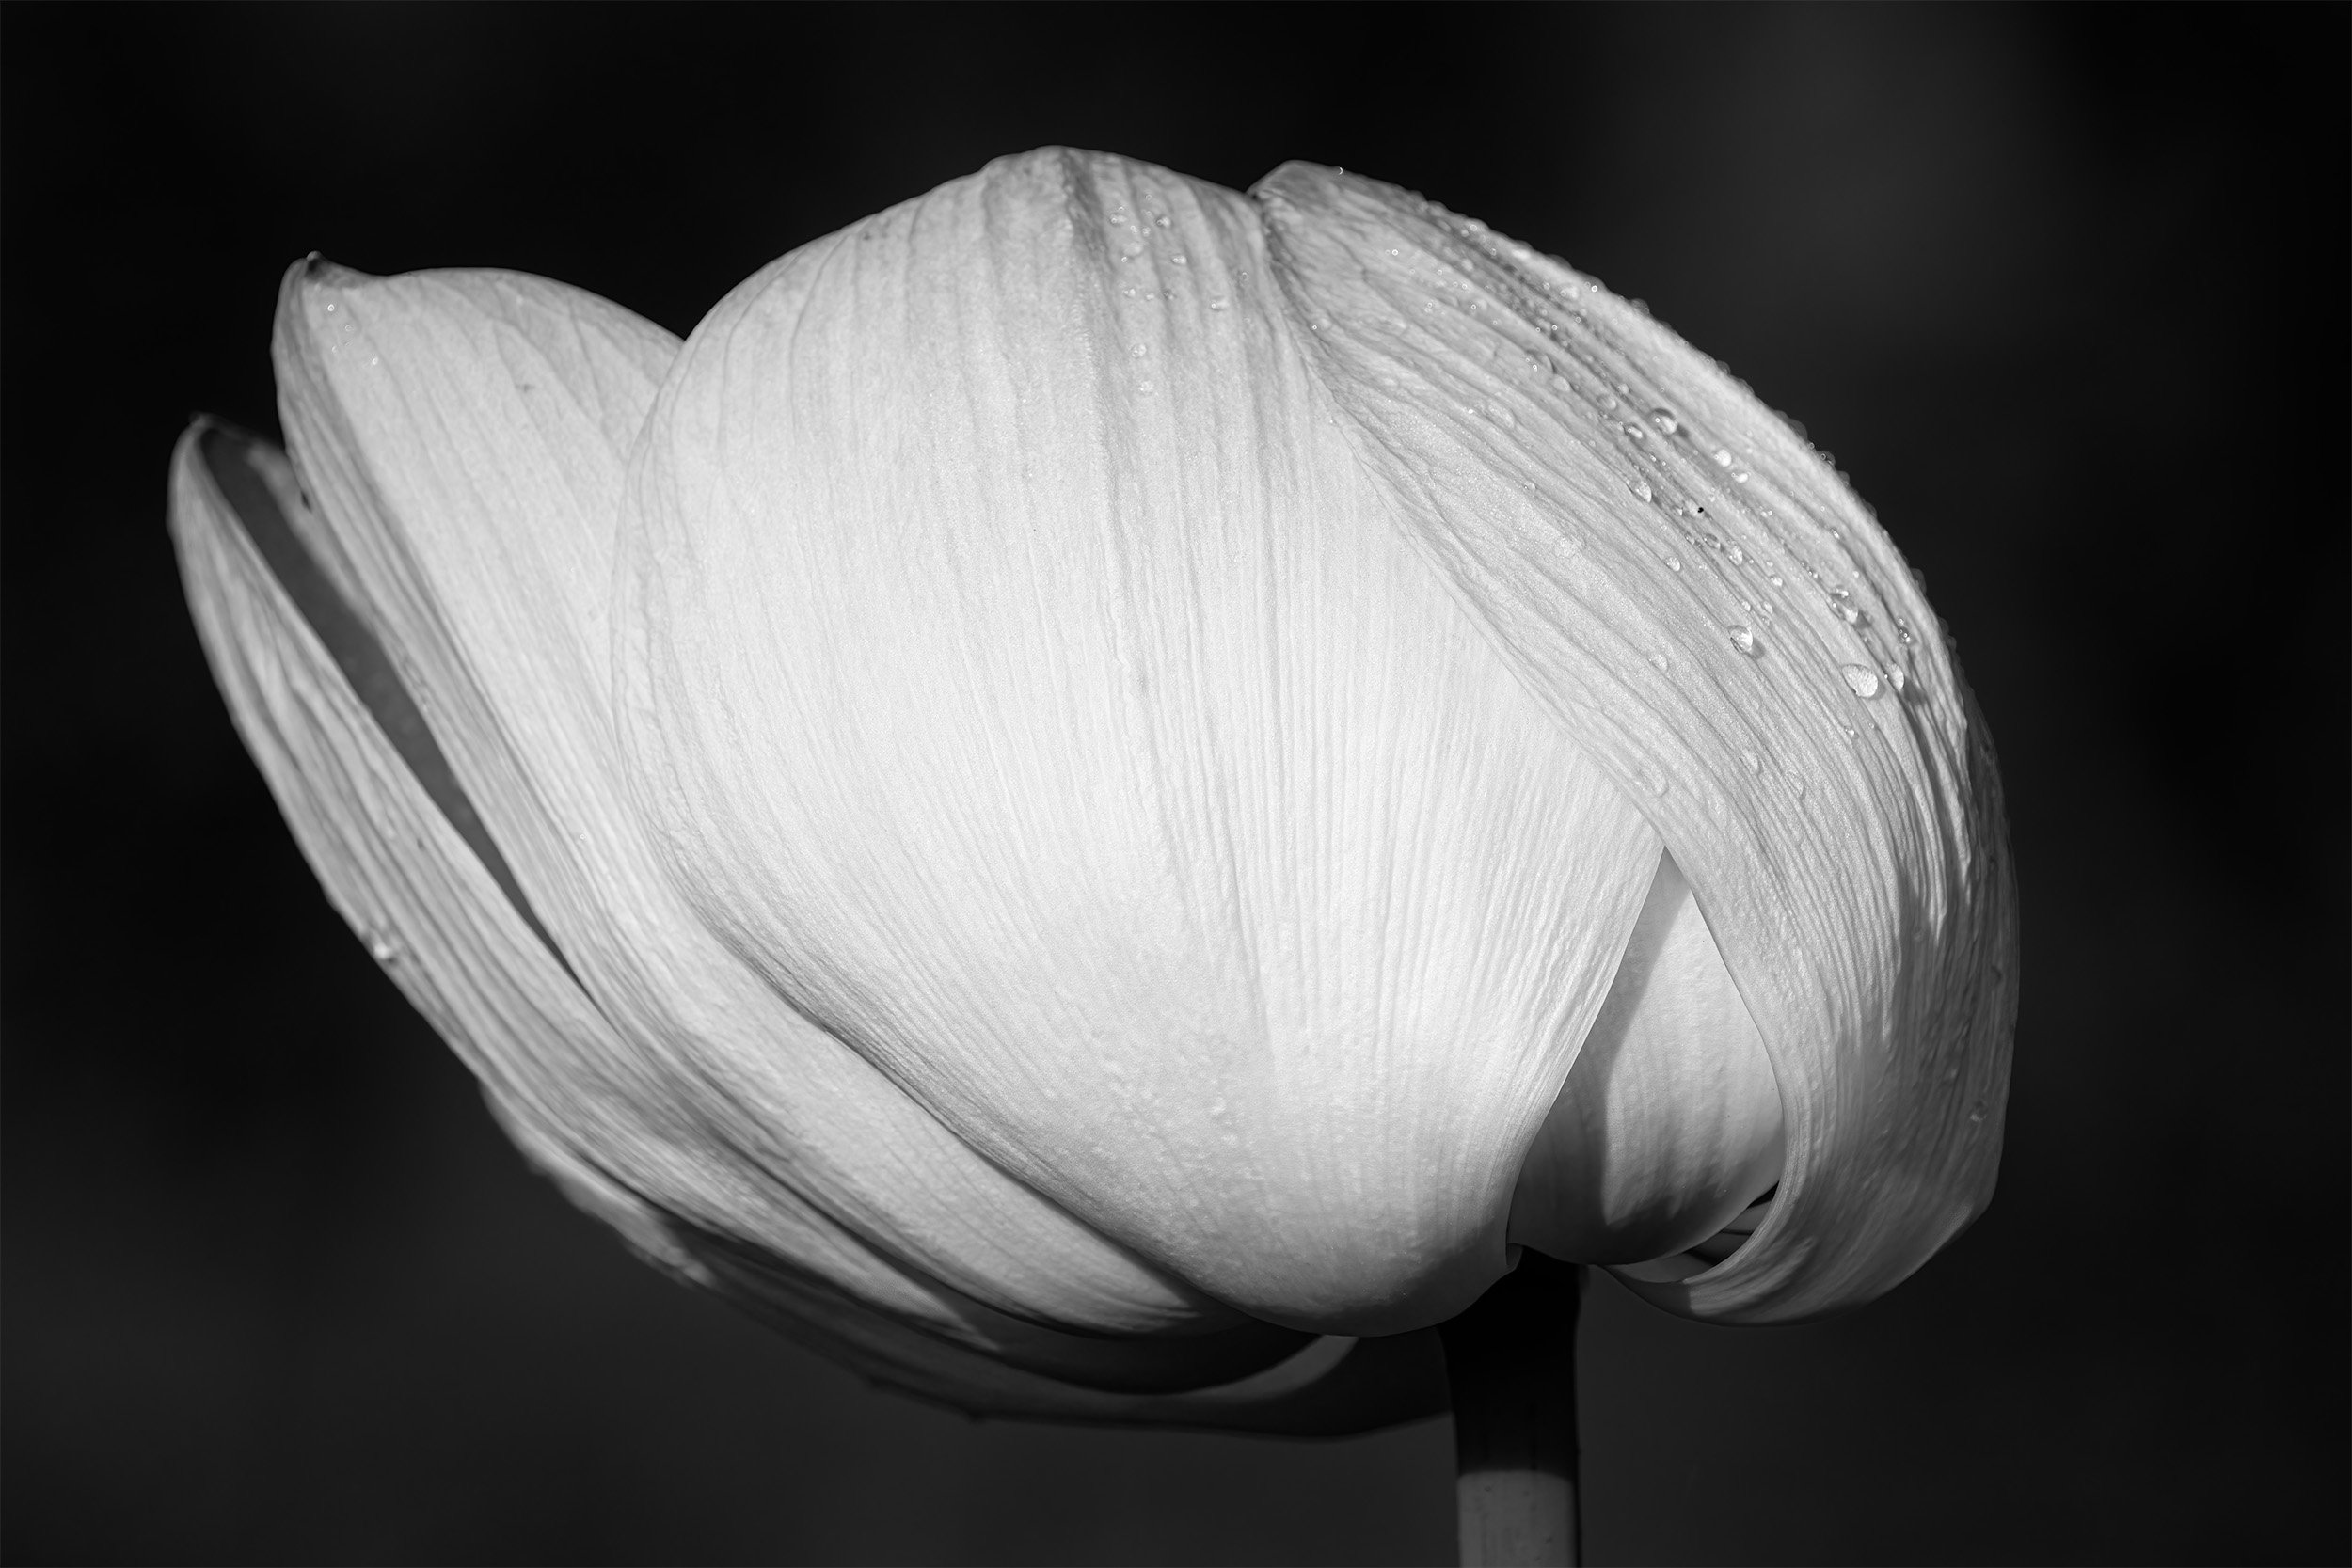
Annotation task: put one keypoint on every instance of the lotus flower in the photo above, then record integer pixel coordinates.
(1105, 797)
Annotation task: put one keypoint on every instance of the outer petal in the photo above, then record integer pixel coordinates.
(463, 433)
(1691, 592)
(365, 792)
(1034, 687)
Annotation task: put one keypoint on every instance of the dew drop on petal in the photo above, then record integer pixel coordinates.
(1641, 487)
(1976, 1113)
(1658, 659)
(1743, 640)
(1722, 457)
(1218, 304)
(1754, 764)
(1896, 678)
(1739, 556)
(1672, 564)
(1666, 421)
(383, 946)
(1861, 679)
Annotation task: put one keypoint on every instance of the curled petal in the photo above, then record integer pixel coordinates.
(1694, 596)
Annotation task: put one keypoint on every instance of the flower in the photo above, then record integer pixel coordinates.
(1103, 794)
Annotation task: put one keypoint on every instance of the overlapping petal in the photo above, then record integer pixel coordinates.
(1694, 594)
(965, 1254)
(1032, 685)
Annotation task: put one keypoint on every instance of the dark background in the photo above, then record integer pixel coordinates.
(2063, 289)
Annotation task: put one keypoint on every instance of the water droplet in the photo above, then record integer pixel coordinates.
(1609, 399)
(1666, 421)
(1145, 387)
(1976, 1113)
(1722, 457)
(1634, 432)
(1742, 639)
(1658, 659)
(1754, 764)
(1896, 678)
(1160, 218)
(1849, 614)
(1841, 593)
(1739, 556)
(1641, 487)
(1657, 784)
(1739, 476)
(1181, 259)
(1502, 416)
(1672, 564)
(1139, 350)
(383, 946)
(1861, 679)
(1218, 304)
(1796, 782)
(1775, 579)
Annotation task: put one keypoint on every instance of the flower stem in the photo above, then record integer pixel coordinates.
(1511, 1361)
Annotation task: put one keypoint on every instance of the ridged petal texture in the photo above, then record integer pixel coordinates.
(1035, 688)
(1693, 594)
(1102, 787)
(407, 631)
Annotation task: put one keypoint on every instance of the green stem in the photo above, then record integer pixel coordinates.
(1511, 1362)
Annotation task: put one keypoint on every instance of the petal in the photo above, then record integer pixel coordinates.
(464, 435)
(1694, 594)
(1030, 682)
(561, 1078)
(1670, 1122)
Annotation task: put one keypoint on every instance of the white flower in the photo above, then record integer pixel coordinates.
(1100, 785)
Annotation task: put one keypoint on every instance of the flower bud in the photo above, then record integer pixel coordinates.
(1101, 787)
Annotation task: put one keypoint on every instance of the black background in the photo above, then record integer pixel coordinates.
(2064, 290)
